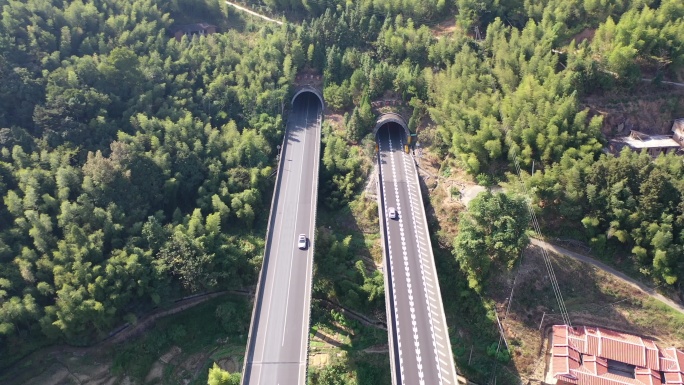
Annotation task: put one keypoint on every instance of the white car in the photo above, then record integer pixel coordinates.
(301, 241)
(392, 213)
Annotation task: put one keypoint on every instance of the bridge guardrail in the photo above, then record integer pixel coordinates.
(313, 235)
(389, 305)
(267, 247)
(434, 271)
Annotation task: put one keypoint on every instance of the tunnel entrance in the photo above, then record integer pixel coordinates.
(306, 100)
(395, 120)
(308, 92)
(391, 130)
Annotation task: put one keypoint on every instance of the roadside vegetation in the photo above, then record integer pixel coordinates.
(348, 342)
(176, 349)
(211, 332)
(519, 292)
(136, 169)
(621, 205)
(491, 232)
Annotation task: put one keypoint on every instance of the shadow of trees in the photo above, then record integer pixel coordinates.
(471, 318)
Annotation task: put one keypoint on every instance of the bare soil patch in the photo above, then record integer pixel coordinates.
(445, 27)
(332, 340)
(650, 110)
(54, 374)
(170, 355)
(230, 364)
(319, 360)
(335, 119)
(109, 381)
(447, 184)
(190, 366)
(587, 34)
(156, 373)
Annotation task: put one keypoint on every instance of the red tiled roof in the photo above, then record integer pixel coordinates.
(668, 360)
(606, 379)
(580, 356)
(648, 376)
(673, 378)
(680, 358)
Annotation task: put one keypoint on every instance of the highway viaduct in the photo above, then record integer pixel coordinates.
(277, 344)
(420, 349)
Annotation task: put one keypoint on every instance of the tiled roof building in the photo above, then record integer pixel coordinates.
(595, 356)
(654, 144)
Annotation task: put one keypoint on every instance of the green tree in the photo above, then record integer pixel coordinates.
(218, 376)
(186, 259)
(491, 231)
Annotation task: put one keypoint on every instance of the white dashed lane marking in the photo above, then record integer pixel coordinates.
(413, 200)
(396, 306)
(409, 287)
(411, 221)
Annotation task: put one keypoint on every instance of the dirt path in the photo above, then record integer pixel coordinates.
(664, 82)
(123, 334)
(150, 319)
(602, 266)
(330, 340)
(241, 8)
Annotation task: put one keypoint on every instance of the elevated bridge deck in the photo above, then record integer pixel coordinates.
(277, 345)
(420, 350)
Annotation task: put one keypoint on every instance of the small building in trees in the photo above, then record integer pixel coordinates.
(191, 30)
(596, 356)
(654, 144)
(678, 131)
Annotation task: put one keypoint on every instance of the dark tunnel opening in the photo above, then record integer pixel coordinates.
(393, 130)
(304, 98)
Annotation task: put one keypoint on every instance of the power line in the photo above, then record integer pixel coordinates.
(492, 379)
(547, 261)
(537, 229)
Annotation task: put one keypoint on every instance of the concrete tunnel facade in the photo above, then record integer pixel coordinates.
(309, 89)
(391, 117)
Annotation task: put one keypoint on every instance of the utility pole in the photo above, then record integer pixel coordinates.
(542, 321)
(477, 33)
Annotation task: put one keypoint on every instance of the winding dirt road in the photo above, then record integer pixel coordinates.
(241, 8)
(602, 266)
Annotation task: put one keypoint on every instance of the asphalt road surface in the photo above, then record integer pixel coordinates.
(422, 351)
(277, 350)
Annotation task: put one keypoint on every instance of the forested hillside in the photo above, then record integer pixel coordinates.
(517, 93)
(133, 167)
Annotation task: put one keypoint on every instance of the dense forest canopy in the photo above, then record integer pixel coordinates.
(135, 168)
(517, 93)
